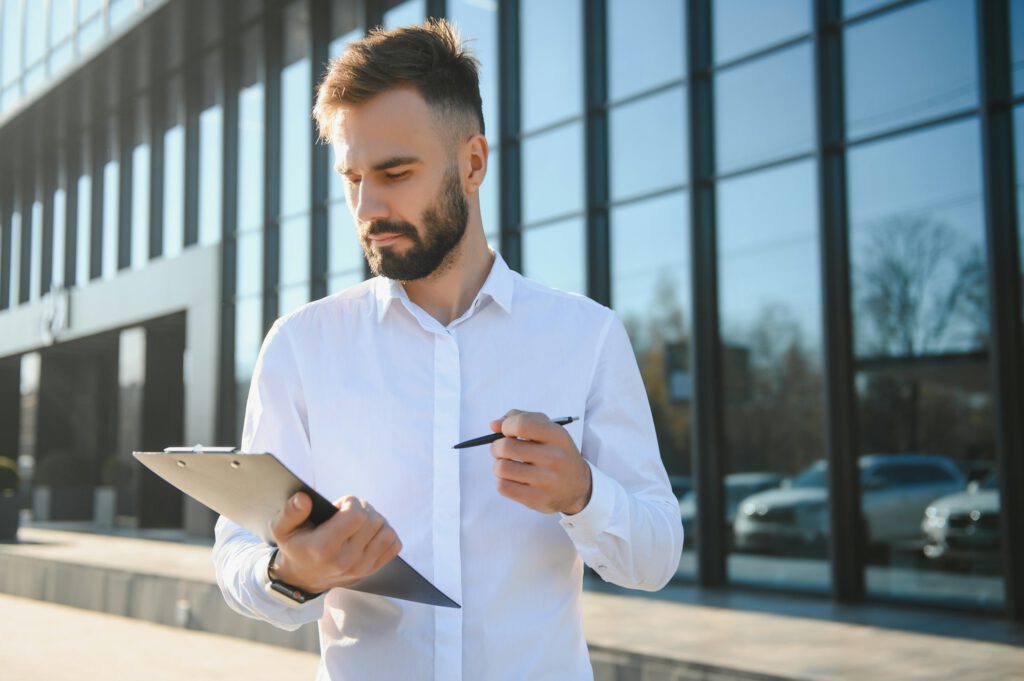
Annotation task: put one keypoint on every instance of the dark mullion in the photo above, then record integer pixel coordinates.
(596, 132)
(126, 133)
(510, 196)
(24, 199)
(157, 116)
(47, 180)
(71, 169)
(272, 40)
(1004, 276)
(226, 404)
(193, 84)
(320, 38)
(437, 9)
(705, 350)
(97, 134)
(847, 557)
(6, 209)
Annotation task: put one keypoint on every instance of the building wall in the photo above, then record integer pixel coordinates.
(800, 210)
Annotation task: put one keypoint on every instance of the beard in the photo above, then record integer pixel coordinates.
(444, 225)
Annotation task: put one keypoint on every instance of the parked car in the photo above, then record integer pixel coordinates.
(681, 485)
(738, 486)
(964, 527)
(895, 490)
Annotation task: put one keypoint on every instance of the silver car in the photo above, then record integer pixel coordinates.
(964, 527)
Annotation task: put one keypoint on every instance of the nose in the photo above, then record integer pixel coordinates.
(370, 205)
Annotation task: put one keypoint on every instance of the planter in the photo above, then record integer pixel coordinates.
(10, 510)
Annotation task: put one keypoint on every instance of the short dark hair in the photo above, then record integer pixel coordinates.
(430, 58)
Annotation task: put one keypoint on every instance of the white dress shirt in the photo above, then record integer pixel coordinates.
(364, 393)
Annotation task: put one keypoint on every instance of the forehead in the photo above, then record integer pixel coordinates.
(396, 123)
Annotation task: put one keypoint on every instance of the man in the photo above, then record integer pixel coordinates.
(364, 393)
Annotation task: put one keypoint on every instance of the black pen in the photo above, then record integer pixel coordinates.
(487, 439)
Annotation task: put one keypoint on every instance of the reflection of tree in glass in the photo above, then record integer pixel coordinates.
(918, 289)
(774, 422)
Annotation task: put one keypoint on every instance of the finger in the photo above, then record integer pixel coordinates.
(351, 516)
(515, 471)
(496, 424)
(531, 426)
(517, 491)
(522, 450)
(388, 553)
(290, 518)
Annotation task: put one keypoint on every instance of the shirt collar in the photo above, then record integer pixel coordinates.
(498, 287)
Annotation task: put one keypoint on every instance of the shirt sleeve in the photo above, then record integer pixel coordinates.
(275, 422)
(630, 532)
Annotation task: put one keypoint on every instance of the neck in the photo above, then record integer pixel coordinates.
(448, 293)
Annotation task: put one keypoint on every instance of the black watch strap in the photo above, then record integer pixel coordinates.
(292, 592)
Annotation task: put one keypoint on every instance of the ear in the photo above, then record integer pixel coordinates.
(474, 163)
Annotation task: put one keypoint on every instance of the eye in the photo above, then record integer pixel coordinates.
(352, 179)
(397, 176)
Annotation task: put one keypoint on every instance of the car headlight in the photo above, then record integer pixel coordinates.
(749, 509)
(936, 516)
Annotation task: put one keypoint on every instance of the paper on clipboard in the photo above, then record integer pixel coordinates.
(250, 489)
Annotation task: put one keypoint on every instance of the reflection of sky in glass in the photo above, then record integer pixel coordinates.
(36, 251)
(555, 255)
(1017, 44)
(35, 32)
(406, 14)
(744, 26)
(119, 11)
(553, 173)
(250, 157)
(210, 174)
(909, 195)
(764, 109)
(15, 257)
(60, 20)
(174, 190)
(90, 33)
(645, 46)
(340, 282)
(140, 205)
(84, 208)
(110, 211)
(344, 253)
(292, 298)
(60, 206)
(249, 273)
(295, 250)
(650, 251)
(768, 251)
(489, 191)
(296, 103)
(248, 335)
(551, 48)
(477, 22)
(909, 65)
(10, 43)
(648, 144)
(852, 7)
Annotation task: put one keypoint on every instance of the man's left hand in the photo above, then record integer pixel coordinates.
(538, 465)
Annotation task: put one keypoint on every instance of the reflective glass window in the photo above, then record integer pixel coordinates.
(344, 255)
(10, 43)
(745, 26)
(291, 298)
(770, 329)
(89, 8)
(555, 255)
(15, 255)
(765, 109)
(551, 45)
(917, 244)
(140, 185)
(646, 45)
(854, 7)
(120, 11)
(250, 134)
(295, 250)
(1017, 44)
(248, 337)
(909, 65)
(211, 142)
(35, 32)
(648, 144)
(296, 102)
(61, 21)
(249, 272)
(489, 195)
(60, 57)
(35, 250)
(553, 173)
(478, 25)
(174, 171)
(408, 13)
(60, 216)
(83, 196)
(111, 206)
(89, 33)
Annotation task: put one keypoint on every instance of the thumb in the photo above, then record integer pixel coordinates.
(292, 516)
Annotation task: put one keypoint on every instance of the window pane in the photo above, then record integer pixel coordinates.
(111, 206)
(646, 45)
(344, 21)
(248, 337)
(744, 26)
(769, 283)
(120, 11)
(478, 25)
(292, 298)
(249, 277)
(917, 244)
(87, 8)
(10, 43)
(61, 21)
(409, 13)
(15, 254)
(344, 252)
(555, 255)
(553, 173)
(211, 140)
(35, 32)
(340, 282)
(60, 216)
(250, 134)
(649, 149)
(174, 172)
(296, 103)
(140, 205)
(36, 251)
(89, 34)
(84, 208)
(765, 109)
(853, 7)
(651, 294)
(295, 249)
(489, 194)
(551, 45)
(910, 65)
(60, 57)
(1017, 44)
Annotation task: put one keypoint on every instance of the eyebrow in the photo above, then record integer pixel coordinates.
(386, 164)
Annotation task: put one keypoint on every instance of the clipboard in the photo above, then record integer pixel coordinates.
(251, 489)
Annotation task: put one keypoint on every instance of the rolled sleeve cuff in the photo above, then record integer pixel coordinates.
(599, 513)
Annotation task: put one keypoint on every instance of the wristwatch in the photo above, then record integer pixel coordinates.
(286, 593)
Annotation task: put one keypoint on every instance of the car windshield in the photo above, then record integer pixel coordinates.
(812, 477)
(990, 483)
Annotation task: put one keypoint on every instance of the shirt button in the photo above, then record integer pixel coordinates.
(601, 567)
(569, 523)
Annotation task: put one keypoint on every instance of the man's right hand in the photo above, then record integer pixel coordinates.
(353, 543)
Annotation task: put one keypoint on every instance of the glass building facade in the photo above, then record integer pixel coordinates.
(807, 214)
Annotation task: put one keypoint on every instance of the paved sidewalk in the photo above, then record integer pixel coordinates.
(46, 642)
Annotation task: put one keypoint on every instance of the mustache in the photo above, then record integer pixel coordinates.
(384, 227)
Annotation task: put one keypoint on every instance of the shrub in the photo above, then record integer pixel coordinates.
(9, 477)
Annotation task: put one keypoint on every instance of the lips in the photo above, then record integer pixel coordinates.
(382, 239)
